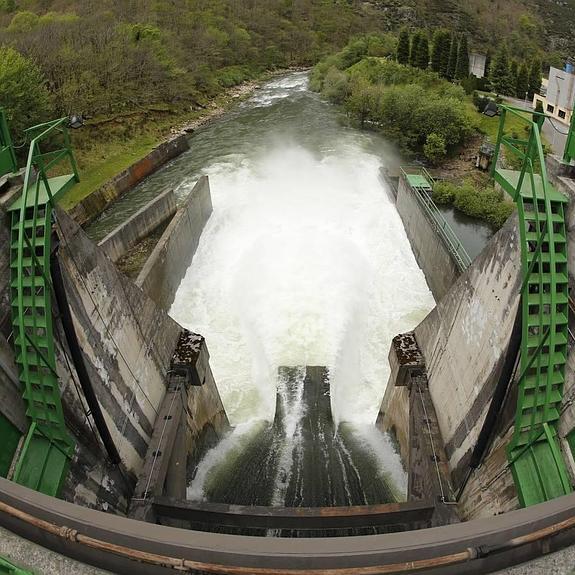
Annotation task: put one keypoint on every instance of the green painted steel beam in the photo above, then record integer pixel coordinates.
(569, 153)
(534, 453)
(45, 456)
(8, 162)
(8, 568)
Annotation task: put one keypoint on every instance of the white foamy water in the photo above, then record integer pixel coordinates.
(304, 262)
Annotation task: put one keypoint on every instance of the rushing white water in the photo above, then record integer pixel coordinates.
(304, 261)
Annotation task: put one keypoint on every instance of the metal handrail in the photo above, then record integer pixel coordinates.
(440, 224)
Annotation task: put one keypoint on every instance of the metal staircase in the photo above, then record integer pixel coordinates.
(535, 457)
(48, 447)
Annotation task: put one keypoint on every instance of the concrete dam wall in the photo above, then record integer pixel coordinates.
(128, 345)
(430, 251)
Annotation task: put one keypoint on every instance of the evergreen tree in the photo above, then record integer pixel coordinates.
(403, 47)
(437, 51)
(499, 76)
(452, 58)
(445, 53)
(462, 66)
(423, 53)
(522, 86)
(535, 78)
(414, 49)
(513, 71)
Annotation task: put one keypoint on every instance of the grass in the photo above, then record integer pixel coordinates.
(108, 145)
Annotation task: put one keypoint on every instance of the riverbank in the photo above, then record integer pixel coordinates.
(107, 146)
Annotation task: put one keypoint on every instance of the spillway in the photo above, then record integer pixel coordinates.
(304, 261)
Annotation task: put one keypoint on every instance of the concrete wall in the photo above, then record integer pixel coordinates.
(168, 263)
(431, 254)
(90, 207)
(137, 227)
(463, 341)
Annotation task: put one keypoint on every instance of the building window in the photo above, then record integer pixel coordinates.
(550, 108)
(562, 114)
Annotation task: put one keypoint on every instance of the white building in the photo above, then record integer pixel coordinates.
(477, 63)
(557, 94)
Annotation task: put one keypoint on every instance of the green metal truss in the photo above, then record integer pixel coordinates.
(48, 447)
(7, 155)
(534, 454)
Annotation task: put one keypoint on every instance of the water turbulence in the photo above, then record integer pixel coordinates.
(304, 262)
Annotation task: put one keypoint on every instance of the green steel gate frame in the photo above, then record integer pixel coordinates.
(534, 454)
(48, 447)
(8, 162)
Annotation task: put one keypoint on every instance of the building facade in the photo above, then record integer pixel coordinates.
(557, 94)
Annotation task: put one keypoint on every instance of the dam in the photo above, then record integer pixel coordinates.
(358, 377)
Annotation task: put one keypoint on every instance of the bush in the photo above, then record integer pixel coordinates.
(435, 149)
(23, 92)
(443, 193)
(483, 203)
(335, 85)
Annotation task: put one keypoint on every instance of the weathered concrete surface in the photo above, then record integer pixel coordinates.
(90, 207)
(39, 560)
(128, 344)
(168, 263)
(463, 341)
(118, 242)
(432, 255)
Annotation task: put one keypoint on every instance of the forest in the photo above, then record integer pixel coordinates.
(136, 68)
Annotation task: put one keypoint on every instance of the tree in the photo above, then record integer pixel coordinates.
(422, 60)
(437, 51)
(513, 71)
(23, 91)
(452, 65)
(445, 53)
(435, 149)
(414, 49)
(522, 86)
(403, 47)
(499, 76)
(535, 78)
(462, 66)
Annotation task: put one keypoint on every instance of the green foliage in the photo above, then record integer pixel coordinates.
(335, 85)
(414, 53)
(7, 6)
(403, 47)
(535, 78)
(462, 65)
(436, 51)
(452, 62)
(435, 148)
(413, 107)
(522, 86)
(23, 22)
(478, 201)
(499, 74)
(23, 92)
(422, 59)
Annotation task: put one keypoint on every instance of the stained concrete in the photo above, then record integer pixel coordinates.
(39, 560)
(438, 265)
(118, 242)
(168, 263)
(92, 206)
(463, 341)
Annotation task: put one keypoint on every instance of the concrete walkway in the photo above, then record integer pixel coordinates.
(560, 563)
(40, 561)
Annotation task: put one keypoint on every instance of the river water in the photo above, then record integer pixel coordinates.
(304, 262)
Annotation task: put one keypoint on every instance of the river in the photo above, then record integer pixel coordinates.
(304, 262)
